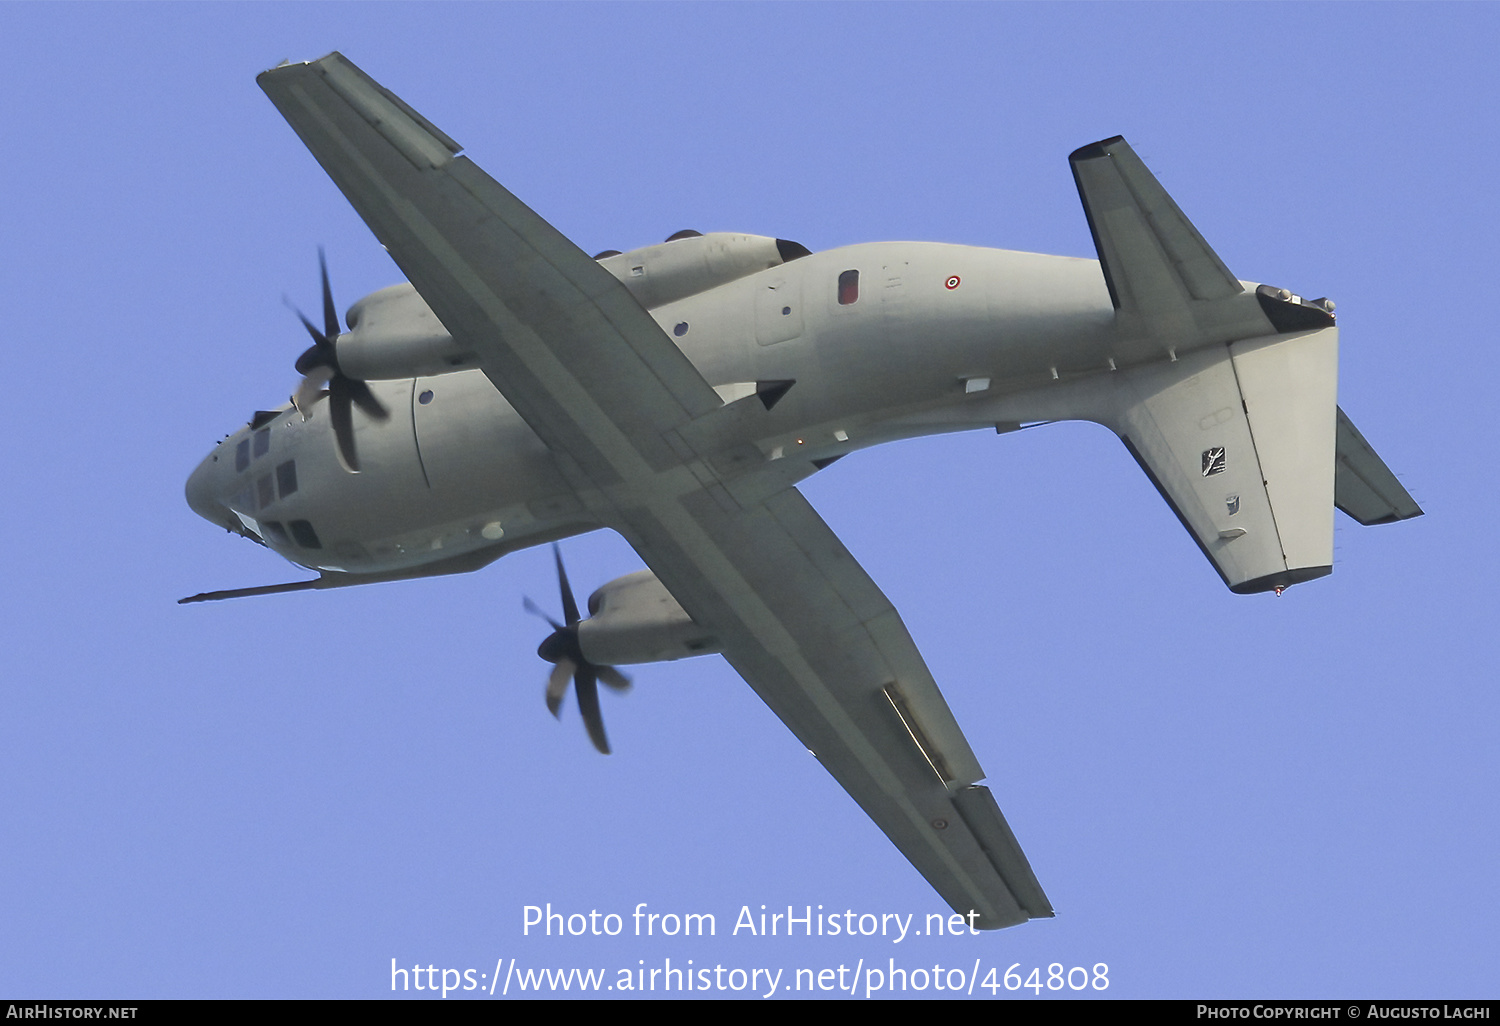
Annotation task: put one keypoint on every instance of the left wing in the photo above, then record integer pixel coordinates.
(638, 432)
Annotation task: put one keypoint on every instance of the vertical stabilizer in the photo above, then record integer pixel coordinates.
(1240, 441)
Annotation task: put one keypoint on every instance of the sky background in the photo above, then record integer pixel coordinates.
(1223, 796)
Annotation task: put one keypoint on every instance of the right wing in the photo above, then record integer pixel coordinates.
(823, 647)
(640, 435)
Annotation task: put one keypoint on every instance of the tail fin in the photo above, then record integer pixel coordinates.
(1240, 441)
(1231, 400)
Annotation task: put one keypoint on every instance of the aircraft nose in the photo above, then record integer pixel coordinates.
(201, 494)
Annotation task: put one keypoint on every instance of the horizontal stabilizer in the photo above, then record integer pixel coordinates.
(1168, 286)
(1152, 254)
(1363, 486)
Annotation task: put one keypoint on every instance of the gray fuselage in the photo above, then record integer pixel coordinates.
(921, 338)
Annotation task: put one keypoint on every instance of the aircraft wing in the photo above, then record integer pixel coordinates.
(634, 426)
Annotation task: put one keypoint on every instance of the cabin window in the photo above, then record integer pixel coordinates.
(242, 455)
(286, 478)
(305, 535)
(848, 287)
(681, 329)
(262, 442)
(425, 397)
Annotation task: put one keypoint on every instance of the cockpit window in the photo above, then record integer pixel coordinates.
(265, 492)
(305, 535)
(275, 532)
(286, 478)
(848, 287)
(262, 442)
(242, 455)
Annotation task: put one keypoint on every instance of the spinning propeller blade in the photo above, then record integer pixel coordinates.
(319, 366)
(561, 648)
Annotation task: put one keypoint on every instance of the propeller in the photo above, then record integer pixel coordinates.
(561, 648)
(319, 366)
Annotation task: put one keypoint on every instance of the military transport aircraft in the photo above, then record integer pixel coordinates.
(518, 391)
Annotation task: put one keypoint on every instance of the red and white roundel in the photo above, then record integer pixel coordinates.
(952, 282)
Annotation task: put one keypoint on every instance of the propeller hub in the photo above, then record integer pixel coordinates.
(561, 644)
(318, 355)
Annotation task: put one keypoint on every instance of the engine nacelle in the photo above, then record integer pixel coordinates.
(685, 266)
(394, 334)
(634, 619)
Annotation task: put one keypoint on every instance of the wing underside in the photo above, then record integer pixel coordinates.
(633, 425)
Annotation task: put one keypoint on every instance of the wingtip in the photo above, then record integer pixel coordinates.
(287, 62)
(279, 68)
(287, 66)
(1095, 149)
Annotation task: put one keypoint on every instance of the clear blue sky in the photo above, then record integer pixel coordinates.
(1223, 796)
